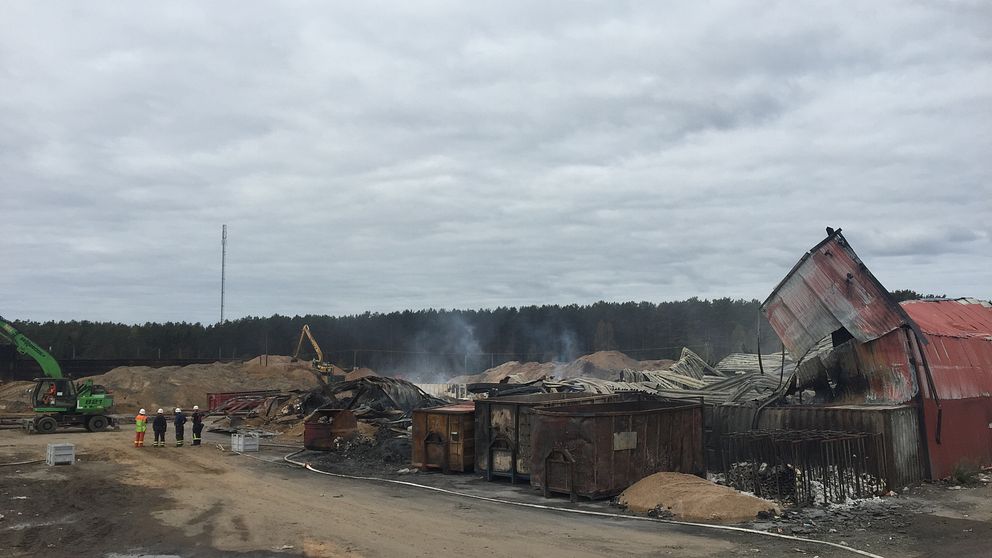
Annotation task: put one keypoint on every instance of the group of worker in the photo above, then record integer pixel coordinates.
(160, 425)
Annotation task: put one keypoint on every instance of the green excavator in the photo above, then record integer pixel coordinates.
(57, 400)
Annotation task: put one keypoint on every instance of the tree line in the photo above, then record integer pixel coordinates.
(439, 341)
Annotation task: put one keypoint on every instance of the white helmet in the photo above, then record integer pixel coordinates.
(141, 411)
(196, 407)
(160, 411)
(178, 410)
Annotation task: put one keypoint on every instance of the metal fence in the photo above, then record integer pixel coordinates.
(805, 467)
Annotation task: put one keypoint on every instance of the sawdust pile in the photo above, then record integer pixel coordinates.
(605, 365)
(185, 386)
(15, 397)
(518, 372)
(691, 498)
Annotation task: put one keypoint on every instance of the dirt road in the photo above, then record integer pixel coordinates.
(189, 502)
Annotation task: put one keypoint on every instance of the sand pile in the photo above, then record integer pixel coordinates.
(690, 498)
(518, 372)
(185, 386)
(605, 365)
(660, 364)
(15, 397)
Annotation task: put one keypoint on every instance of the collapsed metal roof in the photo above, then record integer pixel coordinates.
(827, 290)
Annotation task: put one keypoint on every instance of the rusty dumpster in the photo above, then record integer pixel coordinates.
(598, 450)
(444, 438)
(502, 429)
(323, 426)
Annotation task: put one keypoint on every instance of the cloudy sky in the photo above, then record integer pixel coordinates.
(383, 156)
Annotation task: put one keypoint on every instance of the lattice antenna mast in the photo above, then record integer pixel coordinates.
(223, 268)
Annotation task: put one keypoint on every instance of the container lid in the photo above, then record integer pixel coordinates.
(538, 398)
(617, 408)
(465, 407)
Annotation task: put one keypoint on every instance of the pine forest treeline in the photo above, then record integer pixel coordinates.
(442, 341)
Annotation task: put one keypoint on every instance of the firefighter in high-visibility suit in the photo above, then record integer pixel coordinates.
(140, 425)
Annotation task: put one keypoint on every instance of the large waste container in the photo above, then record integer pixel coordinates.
(324, 426)
(597, 451)
(502, 429)
(444, 438)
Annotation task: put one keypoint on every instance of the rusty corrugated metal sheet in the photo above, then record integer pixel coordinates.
(598, 450)
(829, 289)
(884, 366)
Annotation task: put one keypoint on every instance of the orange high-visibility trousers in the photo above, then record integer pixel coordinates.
(139, 439)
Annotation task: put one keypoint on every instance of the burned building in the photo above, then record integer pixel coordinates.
(926, 365)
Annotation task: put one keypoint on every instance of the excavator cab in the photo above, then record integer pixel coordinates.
(56, 394)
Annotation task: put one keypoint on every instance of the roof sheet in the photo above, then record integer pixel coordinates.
(963, 317)
(748, 362)
(829, 289)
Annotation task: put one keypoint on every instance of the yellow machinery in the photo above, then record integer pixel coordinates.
(318, 361)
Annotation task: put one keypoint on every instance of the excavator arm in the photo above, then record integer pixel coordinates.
(25, 346)
(305, 333)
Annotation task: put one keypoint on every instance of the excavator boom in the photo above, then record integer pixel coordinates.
(313, 343)
(48, 364)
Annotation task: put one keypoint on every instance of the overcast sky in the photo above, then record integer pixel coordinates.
(383, 156)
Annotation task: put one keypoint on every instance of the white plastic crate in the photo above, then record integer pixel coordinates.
(242, 443)
(61, 454)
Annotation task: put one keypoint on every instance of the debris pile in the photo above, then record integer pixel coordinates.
(184, 386)
(383, 407)
(688, 378)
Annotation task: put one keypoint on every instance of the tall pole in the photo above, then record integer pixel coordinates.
(223, 268)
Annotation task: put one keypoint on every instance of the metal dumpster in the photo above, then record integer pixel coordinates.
(502, 429)
(323, 426)
(444, 438)
(598, 450)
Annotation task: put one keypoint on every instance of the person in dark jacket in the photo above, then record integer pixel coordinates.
(197, 425)
(159, 425)
(180, 423)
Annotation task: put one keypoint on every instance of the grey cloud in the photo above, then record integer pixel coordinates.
(382, 156)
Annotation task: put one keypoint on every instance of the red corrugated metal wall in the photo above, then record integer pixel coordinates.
(959, 353)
